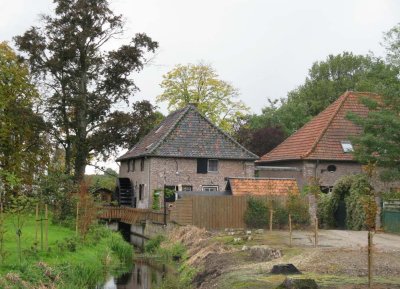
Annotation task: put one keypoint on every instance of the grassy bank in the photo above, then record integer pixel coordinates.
(175, 254)
(70, 262)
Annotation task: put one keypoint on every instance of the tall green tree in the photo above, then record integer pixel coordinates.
(379, 144)
(23, 141)
(326, 81)
(199, 84)
(81, 80)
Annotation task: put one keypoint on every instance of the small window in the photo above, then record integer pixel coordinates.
(133, 166)
(213, 165)
(129, 165)
(141, 191)
(201, 166)
(346, 146)
(142, 164)
(187, 188)
(331, 168)
(210, 188)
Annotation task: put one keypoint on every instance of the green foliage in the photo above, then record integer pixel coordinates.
(199, 84)
(378, 144)
(156, 200)
(87, 80)
(326, 81)
(327, 205)
(357, 194)
(153, 244)
(23, 144)
(56, 189)
(256, 214)
(297, 207)
(71, 263)
(107, 180)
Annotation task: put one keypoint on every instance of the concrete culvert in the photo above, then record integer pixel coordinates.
(298, 284)
(285, 269)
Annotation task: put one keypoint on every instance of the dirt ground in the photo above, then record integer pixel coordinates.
(339, 261)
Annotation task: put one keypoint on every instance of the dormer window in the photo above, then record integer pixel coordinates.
(347, 146)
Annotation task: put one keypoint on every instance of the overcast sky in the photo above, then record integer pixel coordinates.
(262, 47)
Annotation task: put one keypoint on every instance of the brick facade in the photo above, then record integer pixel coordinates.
(159, 172)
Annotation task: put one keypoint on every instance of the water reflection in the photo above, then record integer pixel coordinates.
(144, 275)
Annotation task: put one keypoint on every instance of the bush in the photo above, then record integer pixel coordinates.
(256, 214)
(281, 217)
(356, 192)
(153, 245)
(297, 207)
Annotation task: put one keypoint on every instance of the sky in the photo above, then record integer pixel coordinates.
(262, 47)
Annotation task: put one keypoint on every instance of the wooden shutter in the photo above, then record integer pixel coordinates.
(202, 166)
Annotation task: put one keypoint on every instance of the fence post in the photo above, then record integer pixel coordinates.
(369, 259)
(290, 230)
(37, 225)
(77, 218)
(271, 215)
(46, 228)
(316, 232)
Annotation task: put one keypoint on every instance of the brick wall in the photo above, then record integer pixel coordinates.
(181, 171)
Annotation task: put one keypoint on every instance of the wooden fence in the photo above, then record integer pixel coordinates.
(214, 212)
(130, 215)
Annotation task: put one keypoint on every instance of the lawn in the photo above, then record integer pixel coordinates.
(69, 261)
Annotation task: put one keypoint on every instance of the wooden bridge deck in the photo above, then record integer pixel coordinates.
(131, 215)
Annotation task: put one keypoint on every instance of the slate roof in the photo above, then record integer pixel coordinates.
(320, 138)
(188, 134)
(262, 186)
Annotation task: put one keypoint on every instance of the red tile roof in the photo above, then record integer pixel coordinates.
(262, 187)
(321, 137)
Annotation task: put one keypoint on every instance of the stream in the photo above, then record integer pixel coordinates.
(145, 274)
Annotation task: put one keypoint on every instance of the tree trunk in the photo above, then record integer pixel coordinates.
(82, 147)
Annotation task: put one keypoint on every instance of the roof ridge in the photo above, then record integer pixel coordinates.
(328, 123)
(184, 111)
(226, 134)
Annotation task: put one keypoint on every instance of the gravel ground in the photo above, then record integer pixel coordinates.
(340, 259)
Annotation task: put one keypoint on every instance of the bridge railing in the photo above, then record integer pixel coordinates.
(130, 215)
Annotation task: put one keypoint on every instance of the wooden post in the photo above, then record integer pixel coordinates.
(77, 218)
(271, 216)
(37, 226)
(46, 227)
(290, 230)
(370, 259)
(316, 232)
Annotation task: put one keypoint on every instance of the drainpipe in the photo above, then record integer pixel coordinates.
(149, 159)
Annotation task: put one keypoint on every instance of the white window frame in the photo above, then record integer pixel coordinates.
(208, 187)
(347, 146)
(208, 165)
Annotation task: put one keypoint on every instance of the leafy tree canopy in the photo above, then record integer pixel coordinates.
(379, 144)
(199, 84)
(23, 145)
(81, 81)
(326, 81)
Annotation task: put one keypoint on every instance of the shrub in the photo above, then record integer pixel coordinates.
(297, 207)
(281, 217)
(153, 245)
(326, 210)
(256, 214)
